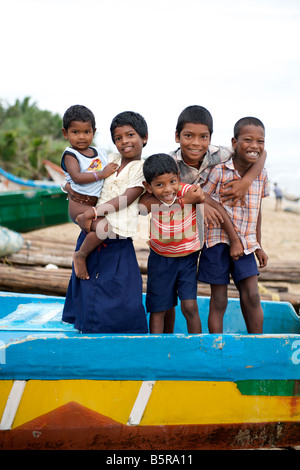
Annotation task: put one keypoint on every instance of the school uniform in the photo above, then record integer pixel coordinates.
(110, 301)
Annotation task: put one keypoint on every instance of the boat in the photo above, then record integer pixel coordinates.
(31, 209)
(10, 182)
(55, 172)
(61, 389)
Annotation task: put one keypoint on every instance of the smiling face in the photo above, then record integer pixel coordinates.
(79, 134)
(164, 187)
(128, 142)
(194, 140)
(249, 145)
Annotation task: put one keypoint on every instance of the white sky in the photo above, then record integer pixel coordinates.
(156, 57)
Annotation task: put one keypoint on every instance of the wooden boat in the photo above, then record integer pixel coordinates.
(10, 182)
(60, 389)
(26, 210)
(54, 171)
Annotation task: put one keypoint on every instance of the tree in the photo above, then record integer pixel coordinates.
(27, 136)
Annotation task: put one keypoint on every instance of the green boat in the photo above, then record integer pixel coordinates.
(31, 209)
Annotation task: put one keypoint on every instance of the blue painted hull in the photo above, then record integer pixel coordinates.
(52, 350)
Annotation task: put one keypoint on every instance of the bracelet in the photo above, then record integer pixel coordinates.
(181, 201)
(96, 175)
(96, 214)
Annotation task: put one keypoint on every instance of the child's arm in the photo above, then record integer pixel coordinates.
(261, 255)
(73, 168)
(236, 189)
(236, 247)
(114, 205)
(194, 195)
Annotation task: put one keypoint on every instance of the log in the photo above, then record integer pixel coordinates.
(34, 280)
(42, 251)
(40, 280)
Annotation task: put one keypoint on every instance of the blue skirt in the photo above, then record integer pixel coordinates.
(111, 300)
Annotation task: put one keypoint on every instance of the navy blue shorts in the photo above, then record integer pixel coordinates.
(169, 277)
(216, 264)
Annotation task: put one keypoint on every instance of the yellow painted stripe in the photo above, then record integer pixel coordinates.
(171, 402)
(214, 402)
(5, 388)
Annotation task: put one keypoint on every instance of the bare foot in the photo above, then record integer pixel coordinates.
(80, 265)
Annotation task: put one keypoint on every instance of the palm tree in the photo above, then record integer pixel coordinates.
(27, 136)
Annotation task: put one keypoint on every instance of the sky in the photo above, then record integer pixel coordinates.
(236, 58)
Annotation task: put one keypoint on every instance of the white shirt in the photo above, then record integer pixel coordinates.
(124, 222)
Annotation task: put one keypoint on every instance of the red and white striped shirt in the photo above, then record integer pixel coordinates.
(174, 231)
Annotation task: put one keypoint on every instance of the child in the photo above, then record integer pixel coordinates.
(85, 168)
(215, 261)
(196, 156)
(174, 243)
(110, 301)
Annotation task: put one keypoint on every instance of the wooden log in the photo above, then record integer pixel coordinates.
(40, 280)
(41, 251)
(36, 280)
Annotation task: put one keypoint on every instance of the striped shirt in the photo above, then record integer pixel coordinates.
(173, 231)
(244, 218)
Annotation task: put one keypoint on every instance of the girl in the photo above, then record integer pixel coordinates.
(110, 301)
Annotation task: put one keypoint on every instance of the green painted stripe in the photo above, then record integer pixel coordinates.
(286, 388)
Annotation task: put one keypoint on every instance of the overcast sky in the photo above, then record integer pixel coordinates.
(156, 57)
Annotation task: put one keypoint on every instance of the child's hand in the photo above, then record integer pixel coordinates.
(194, 195)
(85, 220)
(262, 257)
(108, 170)
(236, 249)
(212, 216)
(234, 191)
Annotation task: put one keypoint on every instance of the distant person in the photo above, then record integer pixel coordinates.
(174, 246)
(278, 197)
(85, 168)
(215, 263)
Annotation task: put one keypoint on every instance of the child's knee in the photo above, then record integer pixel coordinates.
(189, 308)
(219, 301)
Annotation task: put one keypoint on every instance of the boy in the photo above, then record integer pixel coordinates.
(196, 156)
(174, 243)
(85, 168)
(215, 261)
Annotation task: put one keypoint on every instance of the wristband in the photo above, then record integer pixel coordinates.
(96, 214)
(96, 175)
(181, 201)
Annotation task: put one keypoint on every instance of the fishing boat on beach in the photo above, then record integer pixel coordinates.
(31, 209)
(60, 389)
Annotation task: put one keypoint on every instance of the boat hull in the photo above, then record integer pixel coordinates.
(32, 209)
(178, 416)
(65, 390)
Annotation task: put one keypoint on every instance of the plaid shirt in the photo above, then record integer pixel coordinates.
(191, 175)
(244, 218)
